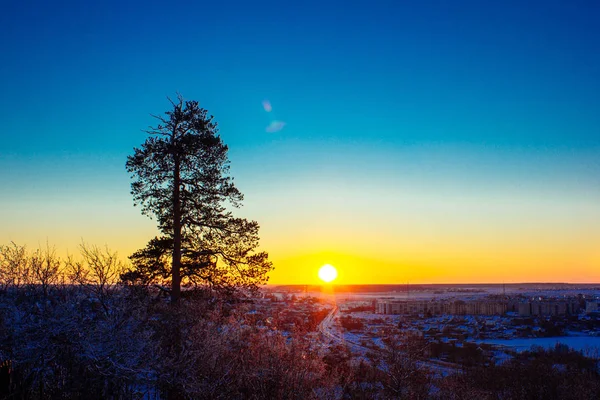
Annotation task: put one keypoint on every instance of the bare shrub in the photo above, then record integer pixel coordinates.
(46, 268)
(14, 266)
(98, 271)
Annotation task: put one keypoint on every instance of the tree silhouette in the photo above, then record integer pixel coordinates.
(181, 177)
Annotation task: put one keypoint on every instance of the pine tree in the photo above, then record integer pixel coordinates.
(181, 178)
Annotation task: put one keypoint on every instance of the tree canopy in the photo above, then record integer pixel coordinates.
(181, 178)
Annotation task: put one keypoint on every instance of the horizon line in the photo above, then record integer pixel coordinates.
(431, 284)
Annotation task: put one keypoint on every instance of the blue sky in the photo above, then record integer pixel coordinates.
(435, 99)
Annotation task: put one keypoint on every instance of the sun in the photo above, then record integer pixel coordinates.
(327, 273)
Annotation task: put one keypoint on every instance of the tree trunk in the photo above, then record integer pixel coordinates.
(176, 265)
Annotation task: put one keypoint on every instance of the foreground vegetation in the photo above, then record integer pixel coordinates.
(71, 329)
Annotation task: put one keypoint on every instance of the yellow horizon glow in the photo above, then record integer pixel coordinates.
(377, 231)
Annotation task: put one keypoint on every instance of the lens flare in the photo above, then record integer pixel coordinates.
(267, 105)
(275, 126)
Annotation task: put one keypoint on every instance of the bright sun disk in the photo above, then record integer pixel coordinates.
(327, 273)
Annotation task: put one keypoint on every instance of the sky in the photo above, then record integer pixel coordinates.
(423, 142)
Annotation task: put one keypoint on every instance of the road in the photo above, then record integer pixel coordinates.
(333, 333)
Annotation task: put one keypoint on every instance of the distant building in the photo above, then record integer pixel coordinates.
(548, 308)
(592, 306)
(531, 308)
(439, 307)
(524, 309)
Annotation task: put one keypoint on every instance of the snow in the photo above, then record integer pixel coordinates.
(500, 357)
